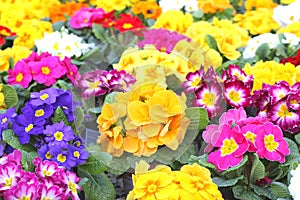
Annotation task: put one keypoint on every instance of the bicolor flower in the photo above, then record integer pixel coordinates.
(270, 143)
(194, 80)
(71, 180)
(53, 192)
(234, 72)
(22, 190)
(231, 146)
(278, 91)
(237, 94)
(45, 168)
(10, 175)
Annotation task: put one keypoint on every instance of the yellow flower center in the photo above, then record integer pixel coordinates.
(234, 96)
(29, 128)
(239, 76)
(45, 198)
(45, 70)
(209, 99)
(39, 113)
(270, 143)
(152, 188)
(8, 181)
(77, 143)
(58, 135)
(198, 183)
(127, 25)
(229, 146)
(284, 112)
(46, 173)
(72, 186)
(4, 120)
(68, 48)
(61, 158)
(55, 46)
(44, 96)
(94, 85)
(196, 82)
(76, 154)
(19, 77)
(25, 198)
(250, 136)
(48, 155)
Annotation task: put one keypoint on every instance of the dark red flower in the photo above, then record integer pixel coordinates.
(295, 60)
(128, 22)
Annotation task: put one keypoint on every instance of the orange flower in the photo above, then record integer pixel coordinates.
(69, 8)
(149, 9)
(212, 6)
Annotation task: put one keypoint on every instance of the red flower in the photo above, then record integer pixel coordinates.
(128, 22)
(5, 32)
(295, 60)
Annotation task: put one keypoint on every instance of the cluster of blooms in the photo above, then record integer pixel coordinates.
(48, 182)
(86, 17)
(280, 103)
(5, 32)
(63, 44)
(294, 183)
(154, 116)
(44, 69)
(55, 141)
(236, 134)
(271, 39)
(101, 82)
(190, 182)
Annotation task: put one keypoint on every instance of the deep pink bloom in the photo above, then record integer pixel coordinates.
(15, 157)
(71, 181)
(194, 80)
(53, 192)
(10, 175)
(47, 70)
(233, 116)
(250, 133)
(270, 143)
(231, 146)
(21, 74)
(22, 190)
(71, 70)
(237, 94)
(278, 91)
(85, 17)
(234, 72)
(45, 168)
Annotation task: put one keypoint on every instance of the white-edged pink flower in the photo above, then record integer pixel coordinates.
(237, 94)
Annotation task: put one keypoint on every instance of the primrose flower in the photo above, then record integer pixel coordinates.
(58, 133)
(47, 96)
(10, 174)
(231, 146)
(45, 168)
(38, 112)
(270, 143)
(6, 118)
(21, 74)
(71, 180)
(237, 94)
(294, 183)
(194, 80)
(128, 22)
(22, 190)
(53, 192)
(85, 17)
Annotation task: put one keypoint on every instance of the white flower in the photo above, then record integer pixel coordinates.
(291, 39)
(191, 5)
(188, 5)
(294, 183)
(271, 39)
(62, 44)
(285, 15)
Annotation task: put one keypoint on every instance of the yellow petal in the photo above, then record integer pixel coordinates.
(151, 130)
(138, 112)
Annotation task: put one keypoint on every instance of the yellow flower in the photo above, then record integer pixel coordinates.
(291, 28)
(156, 185)
(212, 6)
(250, 4)
(257, 21)
(286, 1)
(275, 72)
(174, 20)
(19, 52)
(111, 5)
(2, 100)
(5, 55)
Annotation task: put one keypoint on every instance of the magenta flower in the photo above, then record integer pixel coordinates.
(53, 192)
(85, 17)
(211, 136)
(45, 168)
(15, 157)
(234, 72)
(10, 175)
(72, 70)
(231, 146)
(278, 91)
(22, 190)
(21, 74)
(270, 143)
(250, 133)
(233, 116)
(237, 94)
(70, 179)
(47, 70)
(194, 80)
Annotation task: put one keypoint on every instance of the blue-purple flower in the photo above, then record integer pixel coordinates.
(38, 112)
(6, 118)
(47, 96)
(59, 133)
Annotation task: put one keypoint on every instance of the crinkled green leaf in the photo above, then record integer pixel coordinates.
(10, 96)
(201, 160)
(297, 138)
(263, 191)
(60, 116)
(198, 118)
(263, 51)
(211, 41)
(280, 190)
(240, 192)
(222, 182)
(96, 163)
(27, 160)
(10, 138)
(257, 170)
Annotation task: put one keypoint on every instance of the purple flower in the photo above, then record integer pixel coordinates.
(59, 133)
(47, 96)
(79, 154)
(78, 142)
(65, 101)
(24, 126)
(6, 118)
(194, 80)
(38, 112)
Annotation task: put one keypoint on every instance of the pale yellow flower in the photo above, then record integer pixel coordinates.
(291, 28)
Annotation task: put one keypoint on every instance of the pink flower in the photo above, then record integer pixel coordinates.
(9, 176)
(15, 157)
(72, 70)
(70, 179)
(22, 190)
(234, 72)
(85, 17)
(270, 143)
(53, 192)
(237, 94)
(45, 168)
(250, 133)
(47, 70)
(233, 116)
(194, 80)
(211, 135)
(232, 145)
(21, 74)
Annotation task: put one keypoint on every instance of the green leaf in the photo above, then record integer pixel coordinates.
(79, 117)
(27, 160)
(212, 43)
(10, 138)
(280, 48)
(173, 82)
(57, 25)
(233, 169)
(184, 158)
(240, 192)
(96, 163)
(261, 191)
(297, 138)
(10, 96)
(222, 182)
(263, 51)
(60, 116)
(198, 14)
(110, 98)
(280, 190)
(96, 110)
(98, 31)
(201, 160)
(292, 146)
(258, 169)
(198, 118)
(98, 186)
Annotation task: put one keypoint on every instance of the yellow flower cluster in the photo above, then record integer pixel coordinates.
(257, 21)
(174, 20)
(2, 99)
(229, 36)
(191, 182)
(111, 5)
(154, 116)
(255, 4)
(291, 28)
(212, 6)
(24, 18)
(16, 53)
(150, 64)
(270, 72)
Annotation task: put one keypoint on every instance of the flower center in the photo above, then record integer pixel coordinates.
(61, 158)
(270, 143)
(152, 188)
(284, 112)
(4, 120)
(76, 154)
(48, 155)
(39, 113)
(29, 128)
(8, 181)
(25, 198)
(19, 77)
(72, 187)
(94, 85)
(127, 25)
(196, 82)
(55, 46)
(250, 136)
(46, 173)
(229, 146)
(44, 96)
(234, 96)
(209, 99)
(45, 70)
(58, 135)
